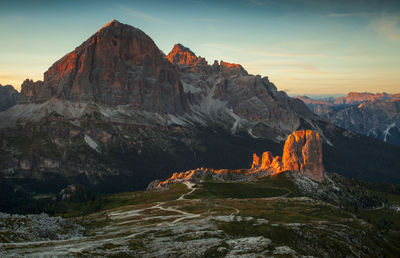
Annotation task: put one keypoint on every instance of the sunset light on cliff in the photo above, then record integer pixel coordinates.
(200, 128)
(320, 48)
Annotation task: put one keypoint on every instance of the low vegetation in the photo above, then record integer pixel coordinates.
(266, 187)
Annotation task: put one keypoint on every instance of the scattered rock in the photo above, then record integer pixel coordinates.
(284, 250)
(22, 228)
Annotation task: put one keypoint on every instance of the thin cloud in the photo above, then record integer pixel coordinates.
(260, 53)
(356, 14)
(140, 15)
(387, 27)
(287, 66)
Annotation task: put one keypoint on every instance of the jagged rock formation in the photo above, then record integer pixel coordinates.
(256, 161)
(121, 65)
(225, 94)
(375, 115)
(351, 98)
(302, 153)
(182, 55)
(116, 113)
(118, 93)
(118, 65)
(8, 97)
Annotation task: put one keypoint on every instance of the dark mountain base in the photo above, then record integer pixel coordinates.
(360, 157)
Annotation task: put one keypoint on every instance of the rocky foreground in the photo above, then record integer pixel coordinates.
(41, 227)
(270, 217)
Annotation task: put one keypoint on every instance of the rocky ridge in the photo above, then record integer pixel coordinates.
(179, 83)
(224, 93)
(121, 65)
(118, 93)
(116, 113)
(375, 115)
(302, 153)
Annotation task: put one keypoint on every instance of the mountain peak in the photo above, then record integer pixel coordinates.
(182, 55)
(117, 65)
(112, 23)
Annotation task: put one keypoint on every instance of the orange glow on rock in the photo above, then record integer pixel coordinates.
(302, 153)
(230, 65)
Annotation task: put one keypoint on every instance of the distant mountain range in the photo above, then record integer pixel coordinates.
(116, 113)
(8, 97)
(375, 115)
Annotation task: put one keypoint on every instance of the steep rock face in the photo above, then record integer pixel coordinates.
(118, 65)
(256, 161)
(31, 90)
(303, 152)
(8, 97)
(267, 160)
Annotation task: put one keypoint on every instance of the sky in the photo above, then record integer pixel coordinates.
(308, 47)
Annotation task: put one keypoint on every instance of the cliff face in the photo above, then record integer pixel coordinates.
(302, 152)
(118, 65)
